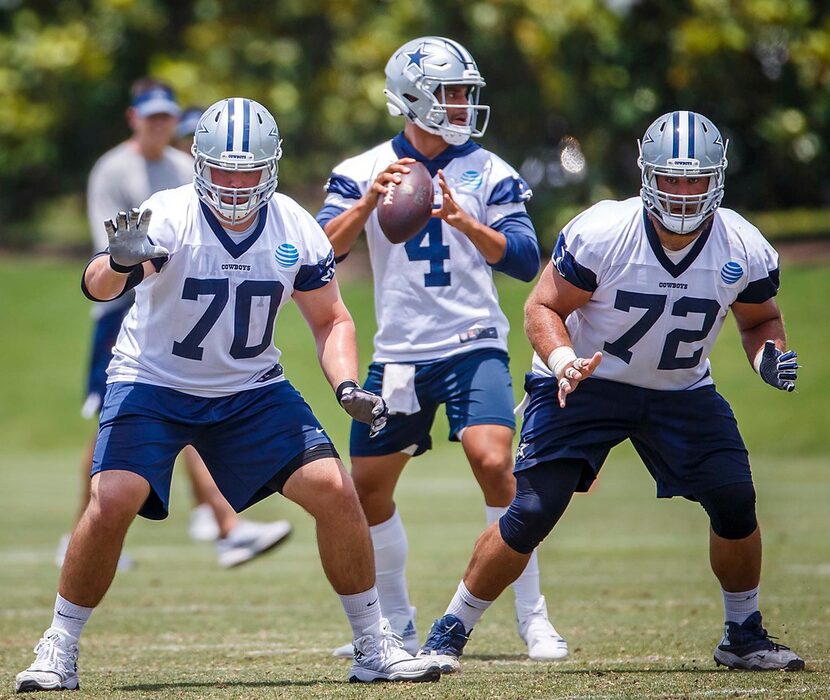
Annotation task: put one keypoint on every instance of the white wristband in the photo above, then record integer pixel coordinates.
(560, 358)
(756, 363)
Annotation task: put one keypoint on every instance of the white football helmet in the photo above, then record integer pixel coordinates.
(682, 144)
(416, 77)
(236, 134)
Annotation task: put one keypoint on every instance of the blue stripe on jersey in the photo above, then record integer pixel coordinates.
(521, 256)
(327, 213)
(578, 275)
(691, 145)
(310, 277)
(229, 145)
(344, 186)
(246, 124)
(404, 149)
(675, 130)
(510, 190)
(761, 290)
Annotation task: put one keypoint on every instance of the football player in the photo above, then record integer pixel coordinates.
(622, 322)
(121, 179)
(195, 363)
(442, 338)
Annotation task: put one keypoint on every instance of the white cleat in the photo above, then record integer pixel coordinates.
(203, 526)
(404, 627)
(379, 656)
(55, 668)
(249, 540)
(544, 643)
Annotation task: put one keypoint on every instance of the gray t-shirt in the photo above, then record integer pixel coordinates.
(122, 179)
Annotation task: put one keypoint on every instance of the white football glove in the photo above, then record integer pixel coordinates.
(778, 368)
(128, 242)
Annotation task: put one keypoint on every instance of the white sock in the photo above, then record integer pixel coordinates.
(466, 607)
(739, 606)
(70, 618)
(391, 550)
(362, 609)
(526, 587)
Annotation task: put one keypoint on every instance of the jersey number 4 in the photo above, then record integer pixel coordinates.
(191, 346)
(434, 251)
(654, 305)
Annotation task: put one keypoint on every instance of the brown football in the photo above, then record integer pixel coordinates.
(406, 207)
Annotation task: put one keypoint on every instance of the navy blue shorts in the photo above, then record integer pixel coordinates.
(475, 387)
(251, 441)
(104, 334)
(688, 440)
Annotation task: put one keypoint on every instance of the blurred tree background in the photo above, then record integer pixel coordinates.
(572, 84)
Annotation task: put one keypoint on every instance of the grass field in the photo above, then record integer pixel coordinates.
(626, 576)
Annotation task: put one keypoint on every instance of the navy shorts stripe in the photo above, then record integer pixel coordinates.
(246, 439)
(475, 388)
(688, 440)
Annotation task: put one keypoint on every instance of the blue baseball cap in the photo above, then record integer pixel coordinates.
(157, 100)
(188, 121)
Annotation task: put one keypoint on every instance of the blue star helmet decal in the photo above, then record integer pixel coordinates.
(417, 57)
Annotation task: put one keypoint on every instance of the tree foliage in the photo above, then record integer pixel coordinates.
(572, 84)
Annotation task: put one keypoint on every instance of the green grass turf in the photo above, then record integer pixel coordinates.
(626, 576)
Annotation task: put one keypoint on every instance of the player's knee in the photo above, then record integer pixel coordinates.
(525, 524)
(731, 510)
(111, 510)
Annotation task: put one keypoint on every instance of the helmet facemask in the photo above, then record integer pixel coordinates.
(681, 213)
(234, 204)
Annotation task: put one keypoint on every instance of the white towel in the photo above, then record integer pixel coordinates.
(399, 388)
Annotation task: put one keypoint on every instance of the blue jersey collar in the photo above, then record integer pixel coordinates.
(657, 247)
(233, 248)
(404, 149)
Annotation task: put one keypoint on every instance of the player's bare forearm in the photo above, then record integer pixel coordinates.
(333, 329)
(104, 283)
(549, 304)
(343, 230)
(489, 242)
(758, 323)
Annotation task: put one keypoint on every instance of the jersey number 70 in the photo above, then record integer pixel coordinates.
(190, 346)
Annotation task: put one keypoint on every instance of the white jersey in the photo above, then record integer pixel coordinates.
(204, 323)
(654, 319)
(434, 295)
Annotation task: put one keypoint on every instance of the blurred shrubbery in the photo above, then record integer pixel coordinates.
(572, 84)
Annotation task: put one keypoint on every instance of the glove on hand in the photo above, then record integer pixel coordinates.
(363, 406)
(128, 242)
(778, 368)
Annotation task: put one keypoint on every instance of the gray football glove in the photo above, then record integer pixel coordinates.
(128, 242)
(363, 406)
(778, 368)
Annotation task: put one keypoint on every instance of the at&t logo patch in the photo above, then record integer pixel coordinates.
(731, 272)
(286, 255)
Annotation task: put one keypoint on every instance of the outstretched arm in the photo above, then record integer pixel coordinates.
(551, 301)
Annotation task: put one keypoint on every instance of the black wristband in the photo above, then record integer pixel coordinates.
(348, 384)
(123, 269)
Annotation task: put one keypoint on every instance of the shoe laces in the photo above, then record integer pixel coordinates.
(52, 655)
(752, 633)
(444, 636)
(386, 644)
